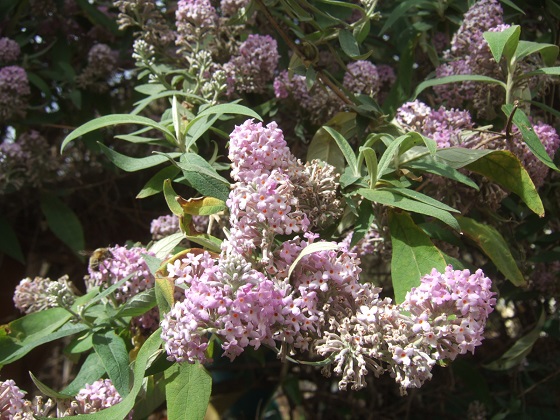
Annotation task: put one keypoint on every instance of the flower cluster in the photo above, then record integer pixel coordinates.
(9, 50)
(11, 399)
(102, 62)
(113, 264)
(254, 65)
(194, 18)
(304, 294)
(233, 7)
(362, 77)
(164, 226)
(14, 90)
(42, 293)
(96, 396)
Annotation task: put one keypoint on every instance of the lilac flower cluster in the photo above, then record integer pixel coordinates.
(550, 140)
(254, 65)
(96, 396)
(42, 293)
(117, 263)
(362, 77)
(9, 50)
(232, 7)
(469, 54)
(102, 61)
(259, 291)
(445, 126)
(443, 317)
(12, 399)
(164, 226)
(320, 101)
(546, 278)
(14, 90)
(194, 18)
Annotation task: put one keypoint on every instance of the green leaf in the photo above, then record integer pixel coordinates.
(414, 255)
(512, 5)
(395, 148)
(529, 137)
(345, 148)
(415, 195)
(47, 391)
(492, 243)
(171, 198)
(112, 351)
(164, 246)
(550, 71)
(310, 249)
(122, 409)
(138, 304)
(110, 120)
(348, 43)
(395, 199)
(432, 165)
(155, 184)
(503, 43)
(518, 352)
(201, 206)
(187, 391)
(164, 294)
(130, 164)
(399, 11)
(203, 177)
(207, 241)
(91, 370)
(9, 243)
(371, 163)
(455, 79)
(505, 169)
(549, 52)
(63, 222)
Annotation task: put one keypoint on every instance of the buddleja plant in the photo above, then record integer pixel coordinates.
(278, 267)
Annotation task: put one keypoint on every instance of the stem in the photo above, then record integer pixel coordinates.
(510, 83)
(320, 75)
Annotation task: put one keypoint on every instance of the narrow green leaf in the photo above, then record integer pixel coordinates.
(455, 79)
(112, 351)
(110, 120)
(395, 199)
(397, 147)
(529, 137)
(459, 157)
(492, 243)
(371, 163)
(423, 198)
(414, 255)
(345, 148)
(549, 52)
(9, 243)
(171, 198)
(47, 391)
(399, 11)
(504, 42)
(201, 206)
(432, 165)
(155, 184)
(505, 169)
(203, 177)
(138, 304)
(122, 409)
(63, 222)
(164, 246)
(187, 390)
(130, 164)
(348, 43)
(164, 294)
(91, 370)
(310, 249)
(515, 355)
(207, 241)
(512, 5)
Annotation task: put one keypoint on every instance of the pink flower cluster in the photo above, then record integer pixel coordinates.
(9, 50)
(14, 90)
(12, 399)
(164, 226)
(254, 65)
(96, 397)
(362, 77)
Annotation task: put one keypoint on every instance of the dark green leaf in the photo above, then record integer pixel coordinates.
(112, 352)
(455, 79)
(551, 71)
(505, 169)
(414, 254)
(399, 11)
(188, 391)
(395, 199)
(63, 222)
(138, 304)
(504, 42)
(492, 243)
(9, 243)
(47, 391)
(91, 370)
(110, 120)
(155, 184)
(171, 198)
(203, 177)
(549, 52)
(348, 43)
(130, 164)
(164, 294)
(432, 165)
(344, 147)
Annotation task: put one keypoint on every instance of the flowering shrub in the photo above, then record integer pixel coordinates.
(351, 189)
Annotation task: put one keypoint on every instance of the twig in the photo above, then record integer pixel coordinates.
(532, 387)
